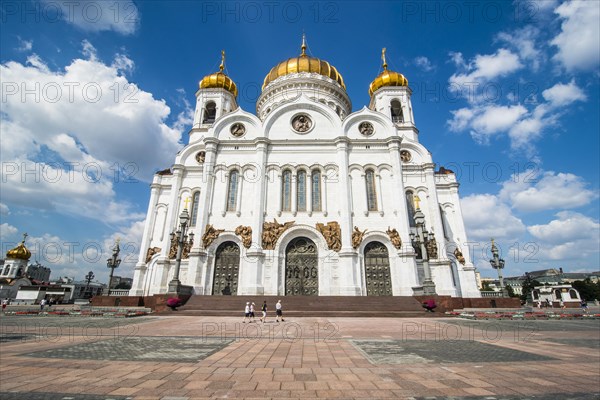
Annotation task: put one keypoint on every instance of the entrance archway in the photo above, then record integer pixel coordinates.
(226, 272)
(301, 268)
(377, 270)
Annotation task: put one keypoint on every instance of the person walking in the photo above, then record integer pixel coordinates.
(561, 303)
(252, 313)
(279, 311)
(584, 306)
(42, 304)
(246, 313)
(263, 319)
(4, 304)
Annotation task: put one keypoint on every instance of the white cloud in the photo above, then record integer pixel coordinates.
(424, 63)
(121, 16)
(579, 40)
(7, 231)
(91, 116)
(488, 217)
(534, 191)
(572, 236)
(4, 210)
(24, 45)
(524, 41)
(486, 121)
(484, 68)
(563, 94)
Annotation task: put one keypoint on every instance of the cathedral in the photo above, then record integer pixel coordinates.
(305, 197)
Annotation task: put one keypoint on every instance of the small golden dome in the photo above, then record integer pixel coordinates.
(304, 63)
(20, 252)
(387, 78)
(219, 79)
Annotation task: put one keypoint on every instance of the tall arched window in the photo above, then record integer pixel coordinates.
(232, 191)
(371, 191)
(286, 190)
(316, 190)
(195, 204)
(397, 115)
(410, 206)
(301, 191)
(210, 111)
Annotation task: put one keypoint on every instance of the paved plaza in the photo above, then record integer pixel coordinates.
(186, 357)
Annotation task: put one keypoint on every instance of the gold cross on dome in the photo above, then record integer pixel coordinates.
(383, 58)
(25, 236)
(186, 202)
(222, 66)
(417, 200)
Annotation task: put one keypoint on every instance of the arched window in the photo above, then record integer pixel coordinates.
(316, 190)
(535, 294)
(301, 191)
(397, 116)
(573, 294)
(286, 191)
(232, 191)
(557, 294)
(6, 269)
(371, 191)
(410, 206)
(210, 112)
(195, 204)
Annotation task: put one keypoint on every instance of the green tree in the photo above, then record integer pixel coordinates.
(511, 292)
(123, 285)
(587, 289)
(528, 285)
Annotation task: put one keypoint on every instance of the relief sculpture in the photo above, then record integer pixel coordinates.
(357, 237)
(271, 233)
(245, 232)
(210, 234)
(151, 252)
(332, 234)
(394, 238)
(459, 256)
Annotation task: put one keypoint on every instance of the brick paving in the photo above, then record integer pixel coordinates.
(189, 357)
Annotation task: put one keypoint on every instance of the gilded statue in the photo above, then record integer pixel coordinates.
(332, 234)
(431, 247)
(459, 256)
(394, 237)
(187, 247)
(151, 252)
(271, 233)
(210, 234)
(357, 237)
(200, 157)
(245, 232)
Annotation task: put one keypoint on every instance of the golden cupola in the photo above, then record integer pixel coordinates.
(20, 252)
(387, 78)
(219, 79)
(304, 63)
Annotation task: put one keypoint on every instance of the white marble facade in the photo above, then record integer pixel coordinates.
(354, 168)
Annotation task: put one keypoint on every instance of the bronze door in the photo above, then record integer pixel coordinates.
(227, 265)
(301, 268)
(377, 270)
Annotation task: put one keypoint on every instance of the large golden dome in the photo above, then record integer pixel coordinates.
(304, 63)
(387, 78)
(219, 79)
(20, 252)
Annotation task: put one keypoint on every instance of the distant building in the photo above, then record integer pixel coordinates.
(553, 294)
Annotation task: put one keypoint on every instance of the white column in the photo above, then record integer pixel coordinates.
(279, 185)
(309, 193)
(208, 182)
(344, 186)
(239, 192)
(226, 200)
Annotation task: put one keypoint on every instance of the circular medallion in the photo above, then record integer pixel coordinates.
(302, 123)
(366, 128)
(238, 129)
(200, 157)
(405, 156)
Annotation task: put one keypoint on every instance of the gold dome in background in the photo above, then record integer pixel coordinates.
(387, 78)
(20, 252)
(304, 63)
(219, 79)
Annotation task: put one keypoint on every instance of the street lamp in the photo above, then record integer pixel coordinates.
(420, 241)
(498, 264)
(113, 263)
(88, 278)
(181, 239)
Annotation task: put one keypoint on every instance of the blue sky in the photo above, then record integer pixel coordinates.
(96, 96)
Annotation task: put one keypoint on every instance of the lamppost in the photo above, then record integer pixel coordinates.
(498, 264)
(181, 238)
(420, 241)
(88, 278)
(113, 263)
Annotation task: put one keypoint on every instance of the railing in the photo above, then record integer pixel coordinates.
(491, 294)
(118, 292)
